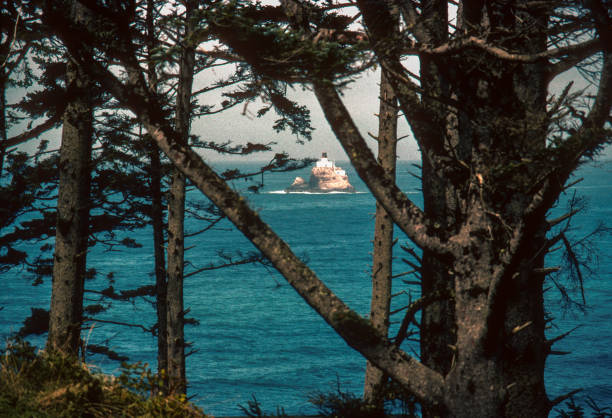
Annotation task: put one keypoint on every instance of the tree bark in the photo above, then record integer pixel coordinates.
(157, 221)
(382, 258)
(157, 214)
(69, 262)
(3, 126)
(488, 340)
(176, 217)
(440, 202)
(174, 287)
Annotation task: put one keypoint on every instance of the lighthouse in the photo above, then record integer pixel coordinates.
(325, 177)
(324, 162)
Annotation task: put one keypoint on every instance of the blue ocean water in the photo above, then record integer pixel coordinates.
(257, 337)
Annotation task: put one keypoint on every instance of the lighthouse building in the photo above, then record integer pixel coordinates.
(324, 162)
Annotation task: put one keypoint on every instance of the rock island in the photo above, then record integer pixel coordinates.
(325, 177)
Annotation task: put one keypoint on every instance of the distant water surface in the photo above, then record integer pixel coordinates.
(257, 337)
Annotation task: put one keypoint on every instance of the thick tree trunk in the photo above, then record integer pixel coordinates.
(382, 259)
(437, 331)
(500, 348)
(176, 218)
(69, 263)
(493, 361)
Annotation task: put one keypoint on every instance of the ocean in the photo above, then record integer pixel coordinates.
(256, 337)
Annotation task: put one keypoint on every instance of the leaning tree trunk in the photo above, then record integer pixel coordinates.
(176, 218)
(69, 263)
(382, 258)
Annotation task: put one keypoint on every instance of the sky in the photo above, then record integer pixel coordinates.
(360, 97)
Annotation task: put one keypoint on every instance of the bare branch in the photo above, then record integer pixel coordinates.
(552, 341)
(416, 306)
(546, 270)
(250, 260)
(32, 133)
(562, 398)
(124, 324)
(571, 60)
(575, 51)
(575, 264)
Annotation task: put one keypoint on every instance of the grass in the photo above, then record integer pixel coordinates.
(52, 385)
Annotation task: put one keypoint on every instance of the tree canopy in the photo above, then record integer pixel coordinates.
(497, 150)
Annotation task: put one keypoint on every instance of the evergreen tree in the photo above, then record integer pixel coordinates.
(73, 204)
(119, 169)
(493, 164)
(176, 211)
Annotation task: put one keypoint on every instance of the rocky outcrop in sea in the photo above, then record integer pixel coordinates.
(325, 177)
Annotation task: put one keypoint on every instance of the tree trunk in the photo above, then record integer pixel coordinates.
(176, 217)
(157, 220)
(3, 126)
(174, 294)
(382, 259)
(440, 202)
(157, 214)
(500, 348)
(69, 263)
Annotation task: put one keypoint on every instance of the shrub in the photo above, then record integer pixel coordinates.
(51, 384)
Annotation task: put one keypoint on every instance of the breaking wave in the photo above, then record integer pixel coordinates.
(284, 192)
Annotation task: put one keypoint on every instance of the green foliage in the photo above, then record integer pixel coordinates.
(341, 404)
(253, 409)
(50, 384)
(259, 35)
(393, 401)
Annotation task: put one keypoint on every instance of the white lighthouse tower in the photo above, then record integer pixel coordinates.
(324, 162)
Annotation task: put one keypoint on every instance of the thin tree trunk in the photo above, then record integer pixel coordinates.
(382, 259)
(69, 263)
(157, 220)
(176, 218)
(3, 127)
(157, 217)
(174, 295)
